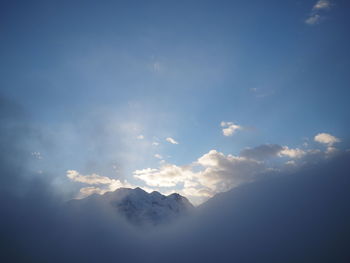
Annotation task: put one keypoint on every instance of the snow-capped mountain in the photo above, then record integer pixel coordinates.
(140, 207)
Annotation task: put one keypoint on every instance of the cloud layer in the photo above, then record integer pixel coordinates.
(213, 172)
(216, 172)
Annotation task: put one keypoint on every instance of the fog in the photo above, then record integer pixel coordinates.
(302, 216)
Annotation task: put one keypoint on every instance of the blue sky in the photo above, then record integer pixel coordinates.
(93, 77)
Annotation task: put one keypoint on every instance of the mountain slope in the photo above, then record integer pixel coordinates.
(299, 217)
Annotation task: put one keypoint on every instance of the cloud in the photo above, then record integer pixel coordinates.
(168, 175)
(155, 143)
(313, 19)
(158, 156)
(292, 153)
(262, 152)
(88, 179)
(215, 172)
(332, 150)
(222, 172)
(171, 140)
(229, 128)
(140, 137)
(266, 151)
(95, 179)
(322, 4)
(315, 16)
(86, 191)
(212, 173)
(326, 138)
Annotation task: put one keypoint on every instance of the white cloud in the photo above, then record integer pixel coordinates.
(315, 16)
(109, 184)
(86, 191)
(88, 179)
(313, 19)
(229, 128)
(167, 175)
(291, 153)
(155, 143)
(222, 172)
(171, 140)
(212, 173)
(326, 138)
(140, 137)
(322, 4)
(158, 156)
(216, 172)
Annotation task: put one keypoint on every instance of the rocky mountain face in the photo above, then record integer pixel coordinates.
(142, 208)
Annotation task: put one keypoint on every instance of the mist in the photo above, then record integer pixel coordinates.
(299, 216)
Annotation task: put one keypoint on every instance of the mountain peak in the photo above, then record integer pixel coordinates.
(142, 208)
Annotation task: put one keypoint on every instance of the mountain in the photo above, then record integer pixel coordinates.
(140, 207)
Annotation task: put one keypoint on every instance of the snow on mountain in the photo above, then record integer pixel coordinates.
(142, 208)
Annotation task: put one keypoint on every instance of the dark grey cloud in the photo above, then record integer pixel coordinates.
(262, 152)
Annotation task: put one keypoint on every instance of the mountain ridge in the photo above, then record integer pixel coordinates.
(140, 207)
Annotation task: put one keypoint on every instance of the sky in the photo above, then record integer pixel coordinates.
(195, 97)
(240, 106)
